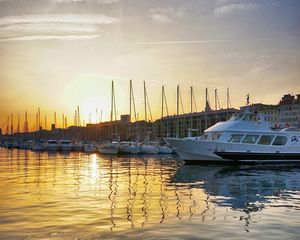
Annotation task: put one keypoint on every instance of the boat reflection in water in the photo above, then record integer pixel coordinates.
(79, 195)
(245, 188)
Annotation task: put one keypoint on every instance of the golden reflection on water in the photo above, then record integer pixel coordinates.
(43, 192)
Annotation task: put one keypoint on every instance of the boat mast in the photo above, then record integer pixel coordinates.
(55, 120)
(162, 111)
(130, 97)
(39, 119)
(216, 90)
(206, 106)
(113, 103)
(177, 112)
(18, 127)
(7, 125)
(192, 94)
(26, 123)
(192, 99)
(63, 121)
(131, 102)
(78, 117)
(228, 103)
(11, 124)
(145, 101)
(217, 103)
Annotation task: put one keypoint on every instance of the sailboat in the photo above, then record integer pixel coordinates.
(111, 148)
(130, 147)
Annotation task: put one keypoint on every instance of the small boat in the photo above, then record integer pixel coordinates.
(111, 148)
(9, 144)
(26, 145)
(164, 150)
(65, 145)
(246, 137)
(129, 148)
(147, 147)
(77, 146)
(38, 146)
(51, 145)
(90, 148)
(16, 144)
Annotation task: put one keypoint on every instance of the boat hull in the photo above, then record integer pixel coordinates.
(206, 151)
(194, 150)
(259, 157)
(108, 151)
(145, 149)
(51, 148)
(65, 148)
(164, 150)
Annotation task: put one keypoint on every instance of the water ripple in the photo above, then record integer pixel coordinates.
(76, 195)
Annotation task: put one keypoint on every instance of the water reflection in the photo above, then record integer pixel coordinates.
(245, 188)
(81, 194)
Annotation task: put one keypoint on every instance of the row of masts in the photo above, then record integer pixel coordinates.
(113, 113)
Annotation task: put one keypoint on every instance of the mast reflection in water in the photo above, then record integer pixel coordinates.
(88, 196)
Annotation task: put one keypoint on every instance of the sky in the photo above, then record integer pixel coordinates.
(57, 54)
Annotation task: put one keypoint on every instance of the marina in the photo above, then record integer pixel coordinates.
(125, 119)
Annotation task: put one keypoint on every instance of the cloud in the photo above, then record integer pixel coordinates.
(76, 1)
(90, 1)
(229, 7)
(166, 15)
(50, 37)
(53, 26)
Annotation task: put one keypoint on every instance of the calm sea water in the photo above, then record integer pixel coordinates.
(81, 196)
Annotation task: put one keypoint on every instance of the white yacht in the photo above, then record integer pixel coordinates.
(129, 148)
(65, 145)
(161, 149)
(38, 147)
(89, 148)
(244, 137)
(51, 145)
(147, 147)
(111, 148)
(77, 146)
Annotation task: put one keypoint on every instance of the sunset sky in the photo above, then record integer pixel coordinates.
(57, 54)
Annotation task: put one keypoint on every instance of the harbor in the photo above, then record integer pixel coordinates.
(255, 132)
(126, 119)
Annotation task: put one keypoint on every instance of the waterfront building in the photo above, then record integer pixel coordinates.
(284, 114)
(179, 125)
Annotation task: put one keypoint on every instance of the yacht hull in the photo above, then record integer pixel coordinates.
(108, 151)
(146, 149)
(51, 148)
(65, 148)
(194, 150)
(259, 157)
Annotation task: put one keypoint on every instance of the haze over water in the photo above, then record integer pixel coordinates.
(69, 196)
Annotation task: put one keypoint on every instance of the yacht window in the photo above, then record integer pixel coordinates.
(265, 140)
(250, 139)
(216, 136)
(236, 138)
(204, 136)
(280, 141)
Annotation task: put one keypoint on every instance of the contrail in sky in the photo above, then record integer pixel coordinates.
(197, 41)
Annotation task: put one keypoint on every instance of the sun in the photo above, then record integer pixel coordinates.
(95, 109)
